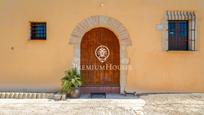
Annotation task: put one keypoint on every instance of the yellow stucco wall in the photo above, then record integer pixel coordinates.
(40, 64)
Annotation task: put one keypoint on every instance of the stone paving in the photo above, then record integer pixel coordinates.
(174, 104)
(151, 104)
(71, 107)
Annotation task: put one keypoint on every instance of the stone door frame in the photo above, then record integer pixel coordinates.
(111, 24)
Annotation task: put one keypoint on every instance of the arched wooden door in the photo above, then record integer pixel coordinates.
(100, 60)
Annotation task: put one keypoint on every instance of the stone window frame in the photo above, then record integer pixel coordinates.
(192, 30)
(111, 24)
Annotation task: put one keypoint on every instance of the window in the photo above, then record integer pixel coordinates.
(38, 31)
(179, 31)
(178, 35)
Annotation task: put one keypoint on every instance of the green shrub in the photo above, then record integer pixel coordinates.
(70, 81)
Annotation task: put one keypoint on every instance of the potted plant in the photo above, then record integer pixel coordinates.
(71, 83)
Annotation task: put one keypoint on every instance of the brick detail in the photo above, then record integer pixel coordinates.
(100, 89)
(21, 95)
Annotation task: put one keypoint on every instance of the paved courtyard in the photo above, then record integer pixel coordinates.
(173, 104)
(155, 104)
(71, 107)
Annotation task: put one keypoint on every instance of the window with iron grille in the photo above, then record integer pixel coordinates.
(38, 30)
(178, 34)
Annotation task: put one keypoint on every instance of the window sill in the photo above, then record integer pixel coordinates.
(38, 39)
(181, 50)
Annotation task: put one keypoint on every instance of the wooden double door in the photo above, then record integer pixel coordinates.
(100, 61)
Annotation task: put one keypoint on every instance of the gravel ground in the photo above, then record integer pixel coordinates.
(174, 104)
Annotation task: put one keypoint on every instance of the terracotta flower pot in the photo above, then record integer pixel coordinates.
(75, 93)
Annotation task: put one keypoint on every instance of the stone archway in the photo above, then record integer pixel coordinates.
(111, 24)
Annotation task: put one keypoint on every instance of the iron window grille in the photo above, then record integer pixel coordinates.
(38, 31)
